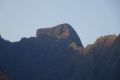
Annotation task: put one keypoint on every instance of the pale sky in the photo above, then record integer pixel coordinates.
(90, 18)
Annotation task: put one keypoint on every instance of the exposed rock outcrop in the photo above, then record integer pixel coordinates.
(62, 31)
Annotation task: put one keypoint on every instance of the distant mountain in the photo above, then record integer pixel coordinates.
(62, 31)
(57, 54)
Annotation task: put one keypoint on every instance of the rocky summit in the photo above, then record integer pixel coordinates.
(57, 54)
(62, 31)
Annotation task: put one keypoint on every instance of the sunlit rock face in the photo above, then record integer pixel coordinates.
(62, 31)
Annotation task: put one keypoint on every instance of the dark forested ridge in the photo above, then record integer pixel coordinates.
(57, 54)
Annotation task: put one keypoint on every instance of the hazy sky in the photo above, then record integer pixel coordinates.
(90, 18)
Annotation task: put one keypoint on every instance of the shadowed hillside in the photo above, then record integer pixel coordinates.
(57, 54)
(2, 75)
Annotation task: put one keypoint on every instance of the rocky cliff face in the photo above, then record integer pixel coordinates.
(111, 59)
(99, 46)
(57, 54)
(62, 31)
(94, 59)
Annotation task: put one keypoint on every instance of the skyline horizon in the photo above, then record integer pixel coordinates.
(55, 26)
(90, 19)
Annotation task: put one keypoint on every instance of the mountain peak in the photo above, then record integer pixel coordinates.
(61, 31)
(108, 39)
(104, 42)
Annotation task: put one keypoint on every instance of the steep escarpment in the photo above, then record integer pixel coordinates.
(99, 46)
(62, 31)
(97, 55)
(37, 57)
(93, 58)
(57, 54)
(111, 71)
